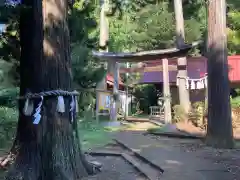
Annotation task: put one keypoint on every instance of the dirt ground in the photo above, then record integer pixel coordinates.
(140, 126)
(116, 167)
(230, 158)
(190, 128)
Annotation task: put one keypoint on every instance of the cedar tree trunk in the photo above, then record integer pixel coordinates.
(51, 149)
(219, 130)
(182, 61)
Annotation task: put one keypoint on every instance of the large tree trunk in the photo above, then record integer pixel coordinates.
(49, 150)
(182, 61)
(219, 130)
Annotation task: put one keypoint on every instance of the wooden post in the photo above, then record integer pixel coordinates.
(104, 27)
(131, 104)
(166, 92)
(182, 61)
(219, 129)
(126, 104)
(205, 111)
(126, 100)
(115, 91)
(104, 35)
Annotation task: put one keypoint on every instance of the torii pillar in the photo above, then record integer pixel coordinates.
(114, 108)
(166, 92)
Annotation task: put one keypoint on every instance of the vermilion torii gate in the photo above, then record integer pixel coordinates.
(146, 56)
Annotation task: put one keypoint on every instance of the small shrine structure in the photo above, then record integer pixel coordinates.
(196, 80)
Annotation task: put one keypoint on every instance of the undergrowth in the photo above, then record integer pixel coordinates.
(8, 122)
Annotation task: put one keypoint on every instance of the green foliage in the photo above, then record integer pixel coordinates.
(8, 121)
(146, 95)
(154, 130)
(93, 134)
(233, 32)
(8, 97)
(179, 114)
(86, 102)
(120, 34)
(134, 25)
(87, 71)
(148, 25)
(82, 22)
(134, 6)
(235, 98)
(9, 41)
(143, 26)
(154, 28)
(235, 102)
(233, 4)
(196, 114)
(6, 78)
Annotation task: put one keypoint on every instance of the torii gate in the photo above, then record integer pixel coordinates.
(145, 56)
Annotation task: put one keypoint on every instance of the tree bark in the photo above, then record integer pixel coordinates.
(103, 45)
(219, 130)
(182, 61)
(51, 149)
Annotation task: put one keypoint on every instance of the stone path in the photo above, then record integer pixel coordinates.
(168, 155)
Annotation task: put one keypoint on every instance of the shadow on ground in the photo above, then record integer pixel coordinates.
(183, 158)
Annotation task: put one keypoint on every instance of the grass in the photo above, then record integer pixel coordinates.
(155, 130)
(142, 115)
(8, 122)
(158, 129)
(93, 134)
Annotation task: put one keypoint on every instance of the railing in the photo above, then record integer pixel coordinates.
(156, 111)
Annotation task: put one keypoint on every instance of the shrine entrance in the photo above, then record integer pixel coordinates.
(113, 60)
